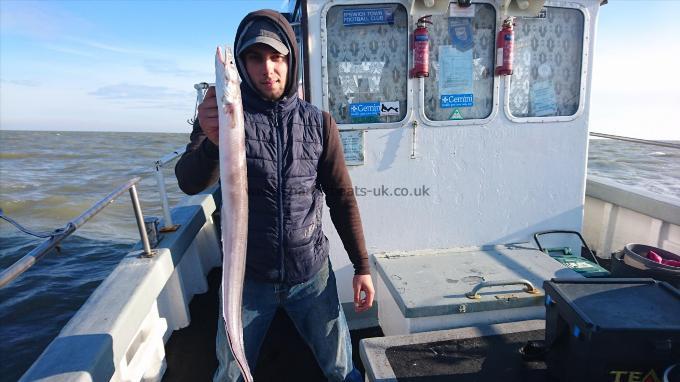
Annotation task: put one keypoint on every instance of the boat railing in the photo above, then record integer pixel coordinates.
(58, 235)
(616, 214)
(168, 224)
(636, 140)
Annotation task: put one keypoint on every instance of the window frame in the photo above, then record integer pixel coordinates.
(585, 61)
(324, 64)
(495, 92)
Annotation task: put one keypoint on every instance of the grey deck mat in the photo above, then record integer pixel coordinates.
(490, 358)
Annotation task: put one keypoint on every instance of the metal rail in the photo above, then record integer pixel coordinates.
(637, 140)
(160, 180)
(168, 225)
(23, 264)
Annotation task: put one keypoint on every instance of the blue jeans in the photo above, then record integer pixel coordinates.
(313, 307)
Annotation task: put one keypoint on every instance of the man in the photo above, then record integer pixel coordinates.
(294, 156)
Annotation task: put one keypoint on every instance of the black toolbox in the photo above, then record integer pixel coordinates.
(615, 330)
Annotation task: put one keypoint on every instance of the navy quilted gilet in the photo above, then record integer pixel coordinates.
(283, 147)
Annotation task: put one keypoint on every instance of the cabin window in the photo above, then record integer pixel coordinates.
(367, 63)
(461, 81)
(546, 79)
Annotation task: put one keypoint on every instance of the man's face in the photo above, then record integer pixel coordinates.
(267, 69)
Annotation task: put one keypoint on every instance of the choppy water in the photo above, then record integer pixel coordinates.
(635, 165)
(48, 178)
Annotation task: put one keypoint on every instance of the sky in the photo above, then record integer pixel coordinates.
(131, 65)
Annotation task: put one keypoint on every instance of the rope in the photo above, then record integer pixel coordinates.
(21, 228)
(637, 140)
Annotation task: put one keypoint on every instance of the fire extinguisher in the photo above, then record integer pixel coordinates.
(421, 48)
(504, 50)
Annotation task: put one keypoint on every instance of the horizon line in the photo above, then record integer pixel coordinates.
(675, 139)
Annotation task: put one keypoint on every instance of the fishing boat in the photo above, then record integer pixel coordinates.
(465, 129)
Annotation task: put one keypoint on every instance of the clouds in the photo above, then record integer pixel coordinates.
(29, 83)
(39, 19)
(128, 91)
(124, 106)
(94, 54)
(49, 26)
(108, 47)
(164, 66)
(45, 45)
(109, 65)
(145, 96)
(70, 50)
(101, 48)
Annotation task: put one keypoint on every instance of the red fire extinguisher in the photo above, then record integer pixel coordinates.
(421, 48)
(504, 50)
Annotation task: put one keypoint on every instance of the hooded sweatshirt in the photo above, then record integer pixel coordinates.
(294, 157)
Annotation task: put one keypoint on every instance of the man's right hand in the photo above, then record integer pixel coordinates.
(208, 116)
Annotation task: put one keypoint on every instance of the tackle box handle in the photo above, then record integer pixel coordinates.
(485, 284)
(583, 241)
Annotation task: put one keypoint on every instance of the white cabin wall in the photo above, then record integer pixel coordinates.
(496, 183)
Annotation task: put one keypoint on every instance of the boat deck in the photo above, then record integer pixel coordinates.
(190, 352)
